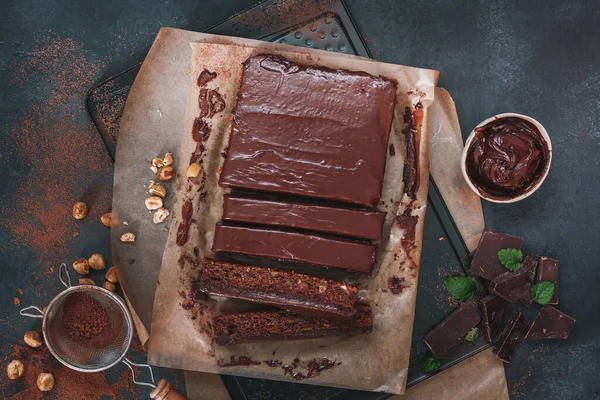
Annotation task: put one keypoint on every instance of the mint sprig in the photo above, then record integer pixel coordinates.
(542, 292)
(430, 363)
(511, 259)
(461, 287)
(472, 335)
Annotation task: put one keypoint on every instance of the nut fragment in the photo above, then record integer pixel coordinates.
(322, 288)
(160, 215)
(154, 203)
(193, 170)
(154, 169)
(157, 162)
(168, 160)
(166, 173)
(127, 237)
(45, 382)
(15, 369)
(156, 189)
(106, 219)
(109, 286)
(33, 339)
(86, 281)
(81, 266)
(96, 261)
(80, 210)
(111, 275)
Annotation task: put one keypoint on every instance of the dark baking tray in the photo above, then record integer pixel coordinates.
(328, 28)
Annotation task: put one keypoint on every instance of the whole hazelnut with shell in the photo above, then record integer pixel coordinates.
(81, 266)
(96, 261)
(33, 339)
(15, 369)
(80, 210)
(45, 382)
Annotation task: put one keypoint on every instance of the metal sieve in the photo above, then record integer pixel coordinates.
(84, 358)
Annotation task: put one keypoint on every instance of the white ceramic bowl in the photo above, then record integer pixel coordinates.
(528, 192)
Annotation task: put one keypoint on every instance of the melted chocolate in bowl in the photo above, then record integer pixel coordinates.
(507, 158)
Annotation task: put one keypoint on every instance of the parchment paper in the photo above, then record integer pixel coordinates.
(377, 361)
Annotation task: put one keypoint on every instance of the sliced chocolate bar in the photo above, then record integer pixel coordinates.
(451, 331)
(550, 323)
(485, 260)
(529, 267)
(492, 307)
(511, 337)
(548, 271)
(511, 286)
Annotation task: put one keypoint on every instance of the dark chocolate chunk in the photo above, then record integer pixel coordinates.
(511, 337)
(492, 307)
(529, 267)
(452, 330)
(550, 323)
(310, 131)
(295, 247)
(339, 221)
(485, 261)
(548, 271)
(526, 300)
(512, 286)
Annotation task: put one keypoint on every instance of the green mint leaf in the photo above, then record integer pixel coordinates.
(472, 335)
(430, 363)
(542, 292)
(461, 287)
(511, 259)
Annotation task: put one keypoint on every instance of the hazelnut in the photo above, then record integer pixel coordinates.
(106, 219)
(33, 339)
(111, 275)
(168, 160)
(166, 173)
(127, 237)
(15, 369)
(80, 210)
(96, 261)
(156, 189)
(160, 215)
(193, 170)
(154, 203)
(81, 266)
(86, 281)
(157, 162)
(154, 169)
(109, 286)
(45, 382)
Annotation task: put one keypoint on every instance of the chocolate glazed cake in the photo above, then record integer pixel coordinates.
(303, 294)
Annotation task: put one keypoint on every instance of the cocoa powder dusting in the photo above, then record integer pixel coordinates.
(87, 322)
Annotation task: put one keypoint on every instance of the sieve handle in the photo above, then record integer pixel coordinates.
(164, 391)
(25, 312)
(63, 275)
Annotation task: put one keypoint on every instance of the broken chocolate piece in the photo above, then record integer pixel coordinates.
(512, 286)
(492, 307)
(526, 300)
(485, 261)
(452, 330)
(511, 337)
(529, 267)
(550, 323)
(548, 271)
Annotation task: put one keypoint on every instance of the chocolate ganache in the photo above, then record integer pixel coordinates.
(507, 157)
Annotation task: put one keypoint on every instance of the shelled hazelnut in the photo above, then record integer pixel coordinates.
(15, 369)
(166, 173)
(193, 170)
(81, 266)
(168, 159)
(127, 237)
(33, 339)
(156, 189)
(106, 219)
(153, 203)
(109, 286)
(86, 281)
(80, 210)
(96, 261)
(45, 382)
(111, 275)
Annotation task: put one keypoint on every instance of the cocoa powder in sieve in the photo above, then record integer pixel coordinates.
(86, 322)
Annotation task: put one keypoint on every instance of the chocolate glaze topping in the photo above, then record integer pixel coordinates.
(507, 157)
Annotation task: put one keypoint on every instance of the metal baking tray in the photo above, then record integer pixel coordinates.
(444, 251)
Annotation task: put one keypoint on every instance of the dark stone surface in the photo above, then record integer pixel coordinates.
(538, 58)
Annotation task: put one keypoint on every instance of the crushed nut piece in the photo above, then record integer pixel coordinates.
(80, 210)
(86, 281)
(111, 275)
(322, 288)
(156, 189)
(154, 169)
(166, 173)
(81, 266)
(344, 287)
(109, 286)
(154, 203)
(157, 162)
(168, 160)
(193, 170)
(45, 382)
(15, 369)
(106, 219)
(96, 261)
(127, 237)
(33, 339)
(125, 222)
(160, 215)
